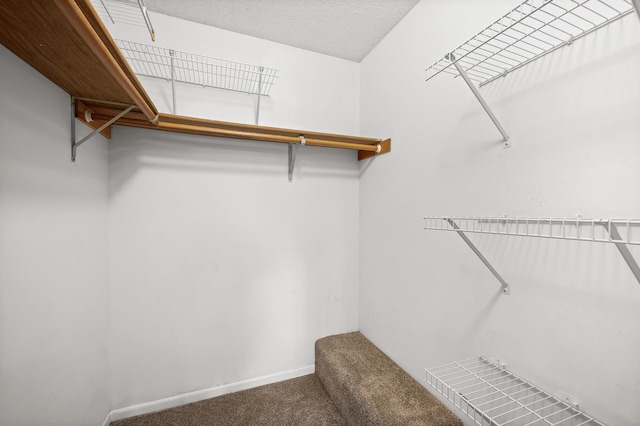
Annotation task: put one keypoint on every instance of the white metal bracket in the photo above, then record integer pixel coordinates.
(293, 152)
(499, 362)
(476, 92)
(74, 144)
(623, 249)
(503, 283)
(261, 69)
(570, 399)
(172, 54)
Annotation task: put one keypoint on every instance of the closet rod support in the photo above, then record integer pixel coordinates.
(293, 153)
(504, 286)
(74, 144)
(478, 96)
(623, 249)
(636, 4)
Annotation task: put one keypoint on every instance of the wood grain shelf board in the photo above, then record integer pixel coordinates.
(40, 34)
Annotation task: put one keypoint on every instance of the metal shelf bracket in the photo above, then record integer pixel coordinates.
(623, 249)
(293, 152)
(503, 283)
(75, 144)
(476, 92)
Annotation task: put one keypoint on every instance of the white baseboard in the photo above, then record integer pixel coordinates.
(107, 420)
(199, 395)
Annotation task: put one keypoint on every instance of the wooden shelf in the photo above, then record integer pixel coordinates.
(66, 41)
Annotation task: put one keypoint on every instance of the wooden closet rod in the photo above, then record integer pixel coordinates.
(201, 130)
(77, 19)
(198, 126)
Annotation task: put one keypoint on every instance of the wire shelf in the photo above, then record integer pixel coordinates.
(132, 12)
(628, 230)
(158, 62)
(530, 31)
(493, 396)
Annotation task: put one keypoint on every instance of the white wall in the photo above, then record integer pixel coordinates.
(571, 322)
(222, 270)
(53, 258)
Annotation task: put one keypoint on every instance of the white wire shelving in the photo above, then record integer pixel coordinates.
(132, 12)
(620, 232)
(183, 67)
(530, 31)
(533, 29)
(628, 230)
(491, 395)
(204, 71)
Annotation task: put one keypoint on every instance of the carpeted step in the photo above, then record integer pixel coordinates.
(370, 389)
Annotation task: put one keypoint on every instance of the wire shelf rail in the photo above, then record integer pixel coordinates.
(620, 232)
(491, 395)
(173, 65)
(528, 32)
(132, 12)
(541, 227)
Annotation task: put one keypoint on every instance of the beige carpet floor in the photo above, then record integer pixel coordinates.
(302, 402)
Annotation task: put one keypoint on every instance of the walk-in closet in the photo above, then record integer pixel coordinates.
(358, 212)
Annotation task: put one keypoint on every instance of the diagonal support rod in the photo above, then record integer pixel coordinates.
(292, 160)
(172, 53)
(293, 153)
(503, 283)
(259, 95)
(147, 20)
(623, 249)
(478, 96)
(74, 144)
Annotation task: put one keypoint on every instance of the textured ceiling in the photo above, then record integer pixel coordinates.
(346, 29)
